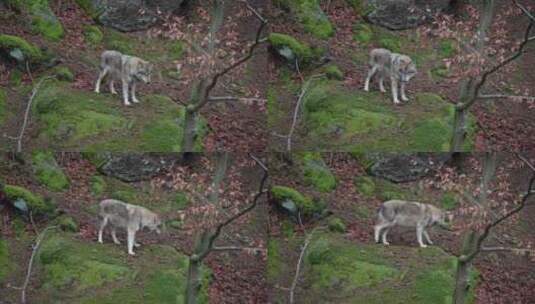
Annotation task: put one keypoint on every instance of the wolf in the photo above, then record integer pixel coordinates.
(127, 216)
(409, 214)
(400, 68)
(127, 69)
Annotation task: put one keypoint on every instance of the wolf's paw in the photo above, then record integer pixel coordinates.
(132, 253)
(405, 98)
(135, 100)
(137, 244)
(386, 243)
(126, 103)
(423, 246)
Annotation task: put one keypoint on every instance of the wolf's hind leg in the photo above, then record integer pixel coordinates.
(101, 76)
(426, 235)
(114, 237)
(112, 87)
(377, 232)
(382, 84)
(385, 233)
(371, 72)
(103, 224)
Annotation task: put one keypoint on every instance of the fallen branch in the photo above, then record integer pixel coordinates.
(38, 241)
(519, 251)
(232, 98)
(27, 113)
(253, 250)
(299, 262)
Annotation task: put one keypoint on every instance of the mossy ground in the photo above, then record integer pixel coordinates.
(339, 271)
(306, 205)
(356, 120)
(4, 260)
(88, 121)
(101, 273)
(3, 109)
(311, 16)
(35, 202)
(316, 172)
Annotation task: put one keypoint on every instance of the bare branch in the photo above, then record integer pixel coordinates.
(253, 250)
(519, 251)
(233, 98)
(38, 241)
(525, 10)
(496, 96)
(527, 162)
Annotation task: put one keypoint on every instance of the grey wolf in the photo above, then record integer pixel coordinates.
(400, 68)
(127, 69)
(409, 214)
(127, 216)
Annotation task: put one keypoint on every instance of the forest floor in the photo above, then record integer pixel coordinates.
(91, 123)
(369, 121)
(502, 277)
(157, 273)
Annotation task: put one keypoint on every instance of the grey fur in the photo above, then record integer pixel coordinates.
(127, 216)
(127, 69)
(409, 214)
(398, 67)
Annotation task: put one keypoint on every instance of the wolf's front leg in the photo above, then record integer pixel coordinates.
(134, 98)
(394, 83)
(385, 233)
(403, 96)
(419, 232)
(131, 240)
(125, 92)
(101, 228)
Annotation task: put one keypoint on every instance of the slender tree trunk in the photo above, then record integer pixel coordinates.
(194, 280)
(191, 116)
(468, 88)
(462, 276)
(489, 170)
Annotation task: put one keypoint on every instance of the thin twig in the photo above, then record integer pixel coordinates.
(495, 96)
(515, 250)
(39, 239)
(299, 262)
(27, 113)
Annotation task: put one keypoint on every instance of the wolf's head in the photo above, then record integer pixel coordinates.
(407, 68)
(444, 219)
(144, 71)
(154, 223)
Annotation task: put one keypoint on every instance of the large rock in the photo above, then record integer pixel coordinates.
(132, 15)
(399, 168)
(136, 167)
(404, 14)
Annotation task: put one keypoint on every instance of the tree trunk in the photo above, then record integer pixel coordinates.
(191, 115)
(489, 170)
(459, 130)
(194, 280)
(462, 276)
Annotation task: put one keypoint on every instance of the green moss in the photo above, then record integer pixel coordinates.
(338, 270)
(87, 6)
(36, 203)
(98, 185)
(162, 287)
(67, 223)
(287, 228)
(44, 21)
(180, 201)
(30, 51)
(48, 172)
(176, 50)
(93, 34)
(274, 265)
(365, 185)
(163, 135)
(300, 49)
(316, 172)
(337, 225)
(3, 104)
(310, 14)
(440, 71)
(449, 201)
(362, 33)
(333, 72)
(392, 44)
(128, 196)
(15, 78)
(447, 48)
(363, 212)
(115, 40)
(4, 260)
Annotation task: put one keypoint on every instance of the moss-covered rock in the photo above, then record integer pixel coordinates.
(98, 185)
(63, 73)
(365, 185)
(336, 225)
(4, 260)
(294, 49)
(310, 14)
(67, 223)
(90, 273)
(48, 172)
(362, 33)
(93, 34)
(9, 43)
(334, 72)
(305, 205)
(37, 204)
(44, 21)
(15, 78)
(340, 271)
(316, 172)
